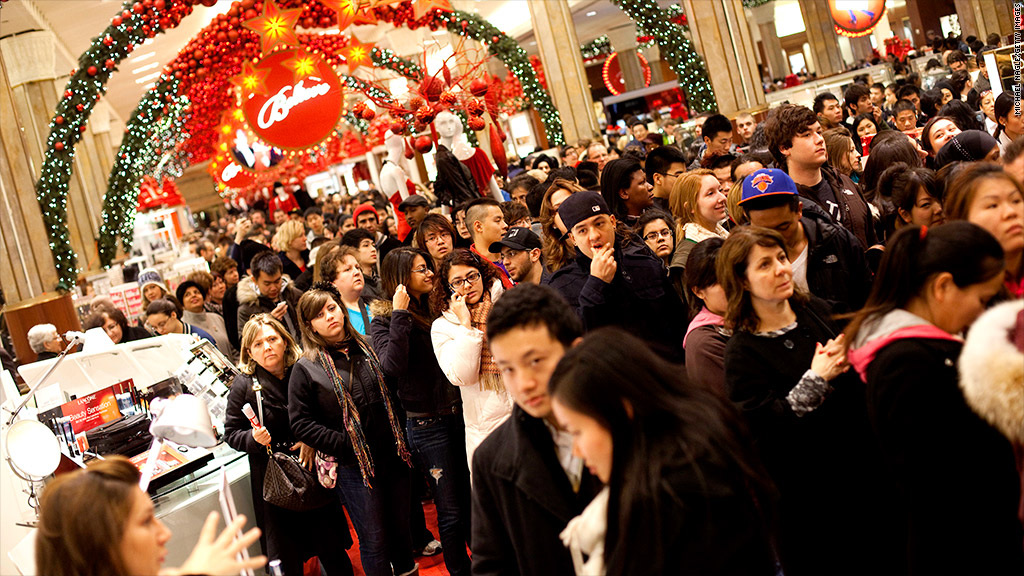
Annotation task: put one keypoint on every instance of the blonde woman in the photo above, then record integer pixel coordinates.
(267, 355)
(290, 243)
(558, 247)
(699, 207)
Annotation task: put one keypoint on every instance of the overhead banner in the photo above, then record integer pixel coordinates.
(291, 99)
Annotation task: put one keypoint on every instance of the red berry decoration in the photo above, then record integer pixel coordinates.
(478, 87)
(59, 120)
(138, 8)
(58, 146)
(92, 71)
(68, 93)
(116, 21)
(495, 39)
(398, 127)
(425, 114)
(126, 14)
(80, 107)
(367, 114)
(81, 128)
(107, 40)
(110, 64)
(449, 98)
(475, 108)
(476, 123)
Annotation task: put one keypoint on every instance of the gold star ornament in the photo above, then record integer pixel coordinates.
(276, 27)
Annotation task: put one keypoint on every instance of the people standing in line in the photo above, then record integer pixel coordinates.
(699, 207)
(522, 256)
(786, 370)
(433, 407)
(266, 289)
(1010, 125)
(267, 356)
(706, 336)
(986, 195)
(685, 491)
(662, 167)
(292, 247)
(466, 289)
(558, 247)
(615, 279)
(794, 138)
(367, 218)
(165, 318)
(114, 323)
(486, 224)
(916, 195)
(368, 258)
(436, 235)
(657, 228)
(192, 296)
(932, 284)
(341, 268)
(340, 405)
(625, 190)
(527, 483)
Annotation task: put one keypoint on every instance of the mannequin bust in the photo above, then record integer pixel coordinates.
(450, 135)
(393, 179)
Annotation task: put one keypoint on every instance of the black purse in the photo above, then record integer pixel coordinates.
(287, 483)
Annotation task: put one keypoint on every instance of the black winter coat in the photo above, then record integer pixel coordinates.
(316, 414)
(640, 298)
(407, 357)
(823, 463)
(955, 476)
(855, 215)
(837, 270)
(292, 536)
(522, 500)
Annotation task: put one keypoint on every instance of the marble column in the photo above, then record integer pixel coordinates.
(764, 18)
(563, 67)
(983, 17)
(720, 34)
(822, 38)
(623, 40)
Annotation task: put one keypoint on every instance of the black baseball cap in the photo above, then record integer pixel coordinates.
(412, 201)
(517, 239)
(580, 206)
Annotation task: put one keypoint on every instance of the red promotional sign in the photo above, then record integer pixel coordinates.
(291, 99)
(229, 173)
(93, 410)
(855, 18)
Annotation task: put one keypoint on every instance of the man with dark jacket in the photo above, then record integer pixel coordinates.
(616, 280)
(828, 261)
(794, 138)
(268, 290)
(527, 484)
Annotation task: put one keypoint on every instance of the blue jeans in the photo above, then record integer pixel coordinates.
(439, 450)
(380, 514)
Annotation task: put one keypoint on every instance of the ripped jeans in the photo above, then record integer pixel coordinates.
(438, 447)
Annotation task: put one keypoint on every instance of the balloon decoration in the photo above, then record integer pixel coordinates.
(857, 21)
(296, 104)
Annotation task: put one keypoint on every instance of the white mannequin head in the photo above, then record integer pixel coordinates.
(394, 145)
(448, 125)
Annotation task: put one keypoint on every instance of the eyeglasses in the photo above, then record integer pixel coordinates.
(469, 279)
(421, 270)
(653, 235)
(673, 174)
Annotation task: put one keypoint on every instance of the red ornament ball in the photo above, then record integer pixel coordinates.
(126, 14)
(80, 107)
(367, 114)
(475, 108)
(116, 21)
(59, 120)
(58, 146)
(424, 144)
(476, 123)
(398, 127)
(478, 87)
(425, 114)
(68, 93)
(449, 98)
(431, 88)
(495, 39)
(107, 40)
(91, 70)
(110, 63)
(81, 128)
(138, 8)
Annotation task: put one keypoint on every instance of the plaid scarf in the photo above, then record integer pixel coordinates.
(490, 376)
(350, 413)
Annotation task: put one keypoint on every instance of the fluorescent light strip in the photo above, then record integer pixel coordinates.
(142, 57)
(147, 78)
(142, 69)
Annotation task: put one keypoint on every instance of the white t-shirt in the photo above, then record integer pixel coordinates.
(800, 270)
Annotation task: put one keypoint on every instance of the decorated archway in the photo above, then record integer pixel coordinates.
(160, 119)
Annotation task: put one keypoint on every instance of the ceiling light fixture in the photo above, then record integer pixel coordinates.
(592, 13)
(142, 57)
(142, 69)
(147, 78)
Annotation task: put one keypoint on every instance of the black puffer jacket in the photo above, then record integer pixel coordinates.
(640, 299)
(407, 358)
(837, 270)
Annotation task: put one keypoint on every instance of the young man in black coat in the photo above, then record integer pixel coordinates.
(527, 484)
(828, 260)
(616, 280)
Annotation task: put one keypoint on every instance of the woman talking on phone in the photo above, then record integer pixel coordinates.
(292, 537)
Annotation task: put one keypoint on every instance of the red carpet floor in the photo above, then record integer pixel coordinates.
(429, 565)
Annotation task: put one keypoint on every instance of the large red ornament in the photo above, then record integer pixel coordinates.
(612, 73)
(424, 144)
(299, 109)
(857, 22)
(477, 123)
(478, 87)
(425, 114)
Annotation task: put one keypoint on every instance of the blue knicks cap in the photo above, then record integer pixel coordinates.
(767, 182)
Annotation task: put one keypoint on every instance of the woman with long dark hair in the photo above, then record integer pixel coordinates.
(433, 407)
(340, 405)
(916, 195)
(1009, 125)
(786, 371)
(954, 478)
(266, 359)
(685, 492)
(466, 288)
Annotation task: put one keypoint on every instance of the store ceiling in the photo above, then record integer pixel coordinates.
(77, 22)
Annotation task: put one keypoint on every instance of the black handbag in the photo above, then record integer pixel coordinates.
(287, 483)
